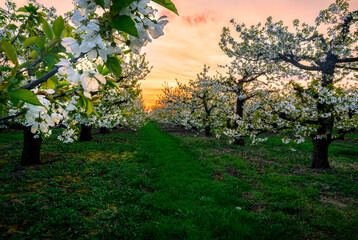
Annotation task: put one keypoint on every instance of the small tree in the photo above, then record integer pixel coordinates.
(204, 102)
(172, 107)
(193, 105)
(241, 83)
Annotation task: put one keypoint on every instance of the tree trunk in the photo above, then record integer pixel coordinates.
(320, 153)
(341, 134)
(240, 112)
(31, 150)
(208, 131)
(85, 134)
(103, 130)
(320, 146)
(239, 141)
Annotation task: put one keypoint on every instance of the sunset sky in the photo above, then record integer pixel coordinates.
(191, 39)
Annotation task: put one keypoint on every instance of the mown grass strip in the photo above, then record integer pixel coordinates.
(187, 202)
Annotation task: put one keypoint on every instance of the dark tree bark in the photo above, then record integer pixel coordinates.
(240, 112)
(320, 146)
(208, 131)
(341, 134)
(206, 120)
(85, 134)
(103, 130)
(31, 151)
(320, 153)
(239, 141)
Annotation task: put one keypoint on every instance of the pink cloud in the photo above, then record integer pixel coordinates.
(203, 17)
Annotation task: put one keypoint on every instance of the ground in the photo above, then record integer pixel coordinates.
(174, 184)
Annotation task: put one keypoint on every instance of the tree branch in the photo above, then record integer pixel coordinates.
(347, 60)
(339, 137)
(45, 77)
(297, 63)
(11, 116)
(350, 68)
(32, 65)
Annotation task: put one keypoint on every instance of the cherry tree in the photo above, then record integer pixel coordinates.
(172, 107)
(113, 105)
(322, 55)
(243, 80)
(195, 104)
(40, 82)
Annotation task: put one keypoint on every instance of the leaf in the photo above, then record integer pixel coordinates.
(38, 41)
(113, 85)
(100, 68)
(29, 42)
(39, 74)
(105, 71)
(5, 68)
(114, 65)
(52, 82)
(58, 26)
(118, 5)
(11, 27)
(10, 51)
(96, 99)
(50, 60)
(52, 43)
(125, 24)
(22, 9)
(33, 54)
(42, 14)
(127, 51)
(82, 102)
(47, 29)
(62, 84)
(168, 5)
(89, 107)
(25, 96)
(100, 2)
(14, 71)
(96, 113)
(31, 9)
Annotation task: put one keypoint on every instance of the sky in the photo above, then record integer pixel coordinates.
(192, 38)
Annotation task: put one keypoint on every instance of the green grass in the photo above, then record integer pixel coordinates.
(153, 185)
(313, 204)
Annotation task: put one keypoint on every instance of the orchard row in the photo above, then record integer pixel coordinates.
(298, 81)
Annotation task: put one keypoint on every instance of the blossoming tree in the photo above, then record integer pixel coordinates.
(117, 105)
(322, 59)
(241, 83)
(40, 82)
(172, 107)
(197, 104)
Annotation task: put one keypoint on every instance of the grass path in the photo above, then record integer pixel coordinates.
(152, 185)
(187, 202)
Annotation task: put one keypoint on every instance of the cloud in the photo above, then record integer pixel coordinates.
(203, 17)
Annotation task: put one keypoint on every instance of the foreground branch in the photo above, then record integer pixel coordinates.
(45, 77)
